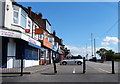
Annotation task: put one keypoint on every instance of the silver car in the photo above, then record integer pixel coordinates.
(71, 61)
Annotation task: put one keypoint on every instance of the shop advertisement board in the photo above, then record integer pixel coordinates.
(29, 39)
(8, 33)
(13, 34)
(47, 43)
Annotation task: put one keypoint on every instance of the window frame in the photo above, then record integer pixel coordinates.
(17, 11)
(27, 24)
(25, 17)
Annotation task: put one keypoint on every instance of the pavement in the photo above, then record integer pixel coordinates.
(27, 70)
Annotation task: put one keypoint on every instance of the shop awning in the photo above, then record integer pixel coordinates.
(60, 51)
(33, 45)
(42, 49)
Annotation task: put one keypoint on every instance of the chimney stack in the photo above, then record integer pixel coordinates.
(54, 33)
(40, 15)
(29, 10)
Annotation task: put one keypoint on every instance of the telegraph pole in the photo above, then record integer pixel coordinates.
(94, 48)
(92, 44)
(86, 52)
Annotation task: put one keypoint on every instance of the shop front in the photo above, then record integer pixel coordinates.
(15, 45)
(47, 48)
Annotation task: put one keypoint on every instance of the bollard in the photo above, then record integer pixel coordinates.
(54, 64)
(84, 65)
(113, 71)
(21, 66)
(55, 71)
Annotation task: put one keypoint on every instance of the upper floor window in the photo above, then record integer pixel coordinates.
(29, 24)
(23, 18)
(50, 38)
(48, 27)
(15, 14)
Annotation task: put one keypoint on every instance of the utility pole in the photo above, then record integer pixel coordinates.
(92, 44)
(94, 48)
(86, 52)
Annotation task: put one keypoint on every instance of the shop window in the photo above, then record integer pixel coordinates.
(31, 53)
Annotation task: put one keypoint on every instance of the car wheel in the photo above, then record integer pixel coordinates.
(79, 63)
(64, 63)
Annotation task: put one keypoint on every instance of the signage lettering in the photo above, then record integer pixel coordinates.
(32, 41)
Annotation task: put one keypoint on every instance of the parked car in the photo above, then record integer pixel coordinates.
(71, 61)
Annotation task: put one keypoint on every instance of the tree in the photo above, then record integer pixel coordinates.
(109, 55)
(101, 51)
(66, 52)
(106, 54)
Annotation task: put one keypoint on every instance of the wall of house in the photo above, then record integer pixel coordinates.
(28, 63)
(1, 13)
(13, 63)
(8, 14)
(0, 51)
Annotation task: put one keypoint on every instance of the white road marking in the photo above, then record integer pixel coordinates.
(104, 70)
(74, 70)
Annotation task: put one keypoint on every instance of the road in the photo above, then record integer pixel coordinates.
(106, 67)
(95, 72)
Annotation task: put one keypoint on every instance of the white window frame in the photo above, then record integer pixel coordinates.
(28, 19)
(24, 17)
(35, 36)
(48, 27)
(18, 15)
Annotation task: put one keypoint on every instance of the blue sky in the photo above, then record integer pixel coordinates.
(75, 21)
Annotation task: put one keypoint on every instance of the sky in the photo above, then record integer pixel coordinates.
(75, 21)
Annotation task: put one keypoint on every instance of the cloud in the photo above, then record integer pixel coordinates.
(75, 50)
(109, 40)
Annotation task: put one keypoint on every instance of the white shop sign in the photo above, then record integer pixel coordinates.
(29, 39)
(8, 33)
(14, 34)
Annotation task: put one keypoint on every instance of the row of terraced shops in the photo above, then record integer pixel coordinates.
(25, 34)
